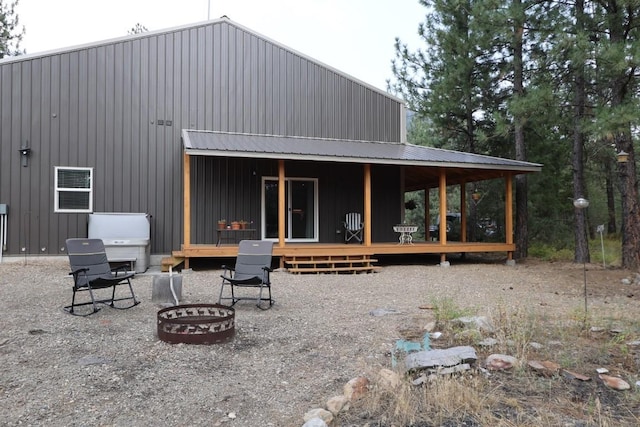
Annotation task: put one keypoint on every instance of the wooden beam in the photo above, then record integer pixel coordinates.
(463, 211)
(186, 200)
(367, 204)
(508, 212)
(282, 205)
(443, 206)
(427, 215)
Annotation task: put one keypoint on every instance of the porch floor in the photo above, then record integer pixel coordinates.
(290, 250)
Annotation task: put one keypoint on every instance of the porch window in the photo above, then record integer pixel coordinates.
(73, 189)
(301, 204)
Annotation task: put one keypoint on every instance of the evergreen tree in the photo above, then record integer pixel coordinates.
(10, 32)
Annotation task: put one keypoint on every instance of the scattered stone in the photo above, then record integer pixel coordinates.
(616, 331)
(440, 357)
(430, 326)
(500, 362)
(596, 329)
(545, 368)
(626, 281)
(319, 413)
(555, 343)
(389, 378)
(634, 343)
(338, 404)
(231, 415)
(638, 384)
(356, 388)
(315, 422)
(535, 345)
(488, 342)
(575, 376)
(379, 312)
(435, 335)
(452, 370)
(614, 382)
(602, 370)
(481, 322)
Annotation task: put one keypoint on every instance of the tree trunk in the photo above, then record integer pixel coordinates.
(611, 204)
(579, 188)
(522, 216)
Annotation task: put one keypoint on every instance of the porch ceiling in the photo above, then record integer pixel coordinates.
(423, 164)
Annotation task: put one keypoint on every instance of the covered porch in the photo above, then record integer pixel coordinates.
(416, 168)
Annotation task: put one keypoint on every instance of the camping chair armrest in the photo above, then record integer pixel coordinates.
(227, 269)
(119, 268)
(269, 269)
(78, 272)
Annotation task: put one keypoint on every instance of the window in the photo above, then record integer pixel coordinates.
(73, 189)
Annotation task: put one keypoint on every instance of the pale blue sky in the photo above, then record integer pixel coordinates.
(354, 36)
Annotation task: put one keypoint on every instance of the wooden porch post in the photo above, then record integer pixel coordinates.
(508, 213)
(367, 204)
(186, 200)
(281, 204)
(443, 213)
(427, 216)
(463, 211)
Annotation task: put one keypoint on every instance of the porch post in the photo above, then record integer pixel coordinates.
(508, 213)
(281, 204)
(186, 200)
(443, 213)
(463, 211)
(427, 215)
(367, 204)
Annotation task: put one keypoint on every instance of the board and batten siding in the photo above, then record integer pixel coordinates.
(119, 106)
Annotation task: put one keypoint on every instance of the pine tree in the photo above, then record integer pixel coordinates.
(10, 32)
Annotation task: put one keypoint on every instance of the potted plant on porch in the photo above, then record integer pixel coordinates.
(222, 224)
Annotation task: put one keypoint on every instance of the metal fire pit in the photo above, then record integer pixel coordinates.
(196, 324)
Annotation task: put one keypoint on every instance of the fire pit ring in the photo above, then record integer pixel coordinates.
(196, 324)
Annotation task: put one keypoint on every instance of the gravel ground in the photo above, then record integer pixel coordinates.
(110, 369)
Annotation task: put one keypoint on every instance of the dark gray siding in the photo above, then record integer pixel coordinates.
(102, 106)
(231, 189)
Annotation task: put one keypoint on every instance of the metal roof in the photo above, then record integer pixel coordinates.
(224, 144)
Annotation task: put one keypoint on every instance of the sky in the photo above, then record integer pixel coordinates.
(354, 36)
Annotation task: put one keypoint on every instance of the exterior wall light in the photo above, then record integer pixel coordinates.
(24, 154)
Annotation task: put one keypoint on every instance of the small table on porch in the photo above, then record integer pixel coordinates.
(405, 233)
(231, 233)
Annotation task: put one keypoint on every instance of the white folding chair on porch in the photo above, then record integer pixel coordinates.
(353, 227)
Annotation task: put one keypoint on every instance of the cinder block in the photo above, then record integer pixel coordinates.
(161, 291)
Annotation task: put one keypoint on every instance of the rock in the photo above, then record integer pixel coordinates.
(356, 388)
(500, 362)
(429, 327)
(319, 413)
(488, 342)
(626, 281)
(338, 404)
(535, 345)
(315, 422)
(480, 322)
(435, 335)
(389, 378)
(596, 329)
(545, 368)
(575, 376)
(614, 382)
(602, 370)
(634, 343)
(378, 312)
(440, 357)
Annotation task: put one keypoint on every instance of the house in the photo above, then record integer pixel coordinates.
(213, 121)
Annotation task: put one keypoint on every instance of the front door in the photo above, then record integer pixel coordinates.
(301, 204)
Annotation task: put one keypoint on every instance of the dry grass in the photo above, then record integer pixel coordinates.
(518, 397)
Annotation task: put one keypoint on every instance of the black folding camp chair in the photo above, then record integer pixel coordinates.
(252, 269)
(91, 271)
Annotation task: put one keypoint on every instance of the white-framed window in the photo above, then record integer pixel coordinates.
(73, 189)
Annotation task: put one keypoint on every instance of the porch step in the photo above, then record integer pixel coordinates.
(170, 262)
(331, 264)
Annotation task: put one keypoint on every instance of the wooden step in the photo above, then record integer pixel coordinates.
(170, 262)
(353, 263)
(361, 269)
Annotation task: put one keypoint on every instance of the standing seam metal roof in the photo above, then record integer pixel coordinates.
(226, 144)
